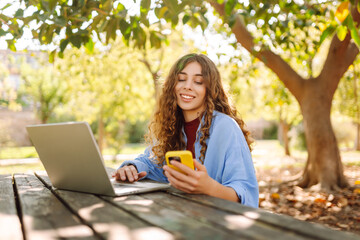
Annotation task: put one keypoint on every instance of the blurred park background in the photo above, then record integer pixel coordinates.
(291, 68)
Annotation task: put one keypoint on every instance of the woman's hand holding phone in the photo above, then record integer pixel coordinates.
(189, 180)
(128, 173)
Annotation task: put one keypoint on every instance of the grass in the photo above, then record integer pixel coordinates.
(30, 152)
(267, 154)
(21, 168)
(131, 148)
(17, 152)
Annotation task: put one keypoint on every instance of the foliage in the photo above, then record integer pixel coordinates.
(271, 132)
(107, 86)
(277, 25)
(43, 87)
(135, 131)
(8, 92)
(349, 92)
(240, 78)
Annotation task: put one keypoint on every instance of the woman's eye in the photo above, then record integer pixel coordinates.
(181, 80)
(199, 83)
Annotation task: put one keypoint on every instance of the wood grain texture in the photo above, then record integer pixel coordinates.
(10, 226)
(176, 222)
(236, 224)
(44, 216)
(283, 222)
(107, 220)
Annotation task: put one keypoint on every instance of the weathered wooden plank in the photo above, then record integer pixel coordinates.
(10, 225)
(44, 216)
(300, 228)
(237, 224)
(183, 226)
(107, 220)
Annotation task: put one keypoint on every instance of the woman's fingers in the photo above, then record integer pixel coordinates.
(128, 173)
(180, 180)
(186, 170)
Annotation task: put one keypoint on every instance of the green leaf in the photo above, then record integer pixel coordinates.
(6, 6)
(90, 46)
(49, 34)
(42, 33)
(232, 20)
(328, 31)
(125, 28)
(341, 32)
(60, 21)
(353, 30)
(19, 13)
(11, 45)
(120, 7)
(103, 26)
(155, 41)
(52, 5)
(161, 12)
(111, 30)
(34, 33)
(52, 56)
(28, 19)
(75, 40)
(63, 44)
(174, 21)
(139, 37)
(186, 18)
(229, 6)
(107, 6)
(2, 32)
(145, 4)
(173, 5)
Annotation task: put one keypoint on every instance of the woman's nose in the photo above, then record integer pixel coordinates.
(188, 84)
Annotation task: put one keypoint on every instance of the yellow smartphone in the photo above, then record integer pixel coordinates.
(184, 157)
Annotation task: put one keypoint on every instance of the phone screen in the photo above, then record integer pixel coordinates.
(176, 158)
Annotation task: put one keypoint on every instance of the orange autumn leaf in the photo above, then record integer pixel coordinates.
(275, 196)
(320, 200)
(357, 182)
(342, 11)
(357, 190)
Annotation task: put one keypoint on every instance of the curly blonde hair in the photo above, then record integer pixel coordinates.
(165, 129)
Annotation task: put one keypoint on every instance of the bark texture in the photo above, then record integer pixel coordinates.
(284, 126)
(324, 167)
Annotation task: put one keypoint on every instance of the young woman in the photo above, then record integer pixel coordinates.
(194, 113)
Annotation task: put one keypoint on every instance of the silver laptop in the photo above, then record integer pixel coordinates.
(73, 161)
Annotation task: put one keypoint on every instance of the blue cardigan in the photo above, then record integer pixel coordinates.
(227, 160)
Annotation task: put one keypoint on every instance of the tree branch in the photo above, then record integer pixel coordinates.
(292, 80)
(340, 56)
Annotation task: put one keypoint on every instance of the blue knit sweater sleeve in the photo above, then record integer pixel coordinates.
(144, 163)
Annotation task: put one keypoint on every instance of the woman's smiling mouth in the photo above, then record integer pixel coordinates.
(186, 97)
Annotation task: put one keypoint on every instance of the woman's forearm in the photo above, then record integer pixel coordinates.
(220, 191)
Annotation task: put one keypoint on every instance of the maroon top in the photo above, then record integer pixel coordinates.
(190, 131)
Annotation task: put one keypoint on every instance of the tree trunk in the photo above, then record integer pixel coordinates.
(357, 141)
(357, 107)
(324, 166)
(284, 126)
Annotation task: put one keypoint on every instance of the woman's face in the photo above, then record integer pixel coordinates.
(190, 91)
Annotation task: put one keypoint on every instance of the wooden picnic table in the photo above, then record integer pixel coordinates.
(31, 209)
